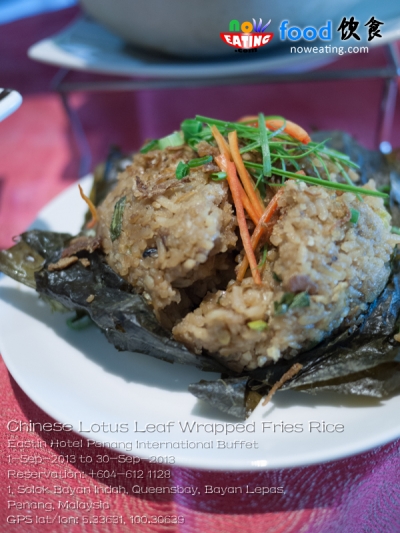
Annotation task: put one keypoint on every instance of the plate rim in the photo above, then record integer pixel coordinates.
(42, 50)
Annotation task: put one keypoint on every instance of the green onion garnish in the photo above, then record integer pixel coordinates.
(191, 127)
(283, 305)
(291, 301)
(175, 139)
(281, 154)
(320, 159)
(335, 155)
(151, 145)
(182, 170)
(395, 230)
(226, 124)
(116, 221)
(300, 300)
(263, 259)
(354, 216)
(200, 161)
(311, 150)
(346, 177)
(249, 147)
(257, 325)
(264, 146)
(218, 176)
(317, 181)
(276, 277)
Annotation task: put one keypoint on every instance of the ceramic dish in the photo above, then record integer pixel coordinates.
(86, 45)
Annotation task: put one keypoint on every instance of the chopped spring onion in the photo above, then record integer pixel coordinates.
(116, 221)
(200, 161)
(263, 258)
(218, 176)
(317, 181)
(175, 139)
(151, 145)
(334, 154)
(283, 305)
(291, 301)
(191, 127)
(226, 124)
(249, 147)
(395, 230)
(276, 277)
(346, 177)
(300, 300)
(182, 170)
(257, 325)
(354, 216)
(320, 159)
(313, 149)
(264, 146)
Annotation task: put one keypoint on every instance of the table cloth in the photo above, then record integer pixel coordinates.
(38, 159)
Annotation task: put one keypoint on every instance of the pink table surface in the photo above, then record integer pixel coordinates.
(38, 159)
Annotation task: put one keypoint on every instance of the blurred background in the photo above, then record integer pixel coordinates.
(50, 141)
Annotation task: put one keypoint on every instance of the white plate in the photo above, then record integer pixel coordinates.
(9, 102)
(86, 45)
(78, 378)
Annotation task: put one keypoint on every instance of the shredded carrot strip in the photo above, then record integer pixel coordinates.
(234, 185)
(296, 131)
(259, 230)
(291, 128)
(249, 208)
(222, 144)
(293, 370)
(92, 209)
(222, 162)
(244, 175)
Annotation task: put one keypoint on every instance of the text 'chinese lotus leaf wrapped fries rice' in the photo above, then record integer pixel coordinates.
(250, 242)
